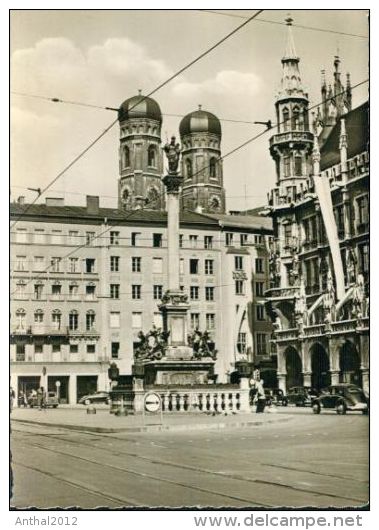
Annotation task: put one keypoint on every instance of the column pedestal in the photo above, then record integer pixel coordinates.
(282, 382)
(307, 378)
(334, 377)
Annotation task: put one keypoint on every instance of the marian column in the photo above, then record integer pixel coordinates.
(174, 305)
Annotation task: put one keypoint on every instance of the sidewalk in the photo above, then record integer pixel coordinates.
(104, 422)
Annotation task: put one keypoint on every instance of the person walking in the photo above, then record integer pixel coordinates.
(260, 396)
(39, 398)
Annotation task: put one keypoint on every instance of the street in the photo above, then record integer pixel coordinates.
(310, 460)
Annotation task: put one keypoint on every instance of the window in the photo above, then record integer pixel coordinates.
(238, 263)
(243, 239)
(20, 318)
(91, 348)
(73, 237)
(287, 166)
(208, 242)
(158, 292)
(136, 292)
(56, 237)
(56, 291)
(363, 256)
(286, 117)
(73, 265)
(188, 168)
(298, 166)
(90, 265)
(73, 320)
(115, 350)
(157, 240)
(20, 289)
(134, 239)
(114, 237)
(21, 235)
(114, 319)
(157, 265)
(115, 264)
(363, 214)
(194, 292)
(241, 343)
(209, 294)
(39, 235)
(56, 319)
(39, 263)
(260, 312)
(21, 263)
(74, 348)
(208, 267)
(259, 265)
(20, 352)
(288, 235)
(136, 264)
(90, 320)
(73, 291)
(210, 320)
(229, 239)
(193, 241)
(213, 168)
(194, 266)
(152, 156)
(180, 240)
(136, 320)
(115, 291)
(259, 288)
(240, 287)
(38, 316)
(90, 236)
(258, 240)
(338, 212)
(38, 291)
(261, 343)
(55, 265)
(125, 157)
(56, 347)
(195, 320)
(38, 348)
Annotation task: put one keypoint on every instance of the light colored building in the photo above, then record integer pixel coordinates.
(318, 298)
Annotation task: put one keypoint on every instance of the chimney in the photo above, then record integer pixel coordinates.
(21, 199)
(93, 204)
(54, 201)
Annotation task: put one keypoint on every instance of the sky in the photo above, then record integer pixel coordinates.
(103, 57)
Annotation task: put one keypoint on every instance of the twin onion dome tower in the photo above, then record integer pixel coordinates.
(141, 158)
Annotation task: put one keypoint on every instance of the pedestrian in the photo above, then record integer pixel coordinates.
(44, 397)
(39, 398)
(12, 395)
(260, 397)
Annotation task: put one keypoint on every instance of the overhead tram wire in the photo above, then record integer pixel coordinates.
(80, 104)
(202, 169)
(194, 61)
(301, 26)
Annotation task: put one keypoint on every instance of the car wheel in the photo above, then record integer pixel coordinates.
(87, 402)
(55, 406)
(341, 408)
(285, 402)
(316, 408)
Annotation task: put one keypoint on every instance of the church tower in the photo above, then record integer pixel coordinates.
(200, 134)
(291, 146)
(140, 155)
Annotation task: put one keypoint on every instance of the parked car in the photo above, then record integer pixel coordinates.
(301, 396)
(342, 398)
(96, 397)
(274, 396)
(51, 400)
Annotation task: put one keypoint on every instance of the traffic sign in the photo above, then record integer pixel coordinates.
(153, 402)
(57, 384)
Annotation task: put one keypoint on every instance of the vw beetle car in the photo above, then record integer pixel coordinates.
(342, 398)
(96, 397)
(301, 396)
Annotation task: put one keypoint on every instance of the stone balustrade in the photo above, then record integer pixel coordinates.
(286, 334)
(314, 331)
(201, 400)
(344, 326)
(281, 293)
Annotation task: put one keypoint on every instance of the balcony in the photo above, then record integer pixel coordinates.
(314, 331)
(278, 293)
(291, 136)
(286, 334)
(344, 326)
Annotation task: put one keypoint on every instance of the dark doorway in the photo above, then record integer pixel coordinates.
(350, 371)
(63, 388)
(28, 383)
(293, 367)
(320, 367)
(86, 384)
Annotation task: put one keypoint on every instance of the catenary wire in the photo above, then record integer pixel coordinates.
(161, 85)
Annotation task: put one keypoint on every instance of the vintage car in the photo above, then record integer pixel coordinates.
(342, 398)
(51, 400)
(274, 396)
(96, 397)
(301, 396)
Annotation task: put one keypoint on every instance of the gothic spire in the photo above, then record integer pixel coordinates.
(291, 85)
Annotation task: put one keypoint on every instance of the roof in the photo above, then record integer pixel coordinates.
(200, 121)
(139, 107)
(251, 222)
(357, 129)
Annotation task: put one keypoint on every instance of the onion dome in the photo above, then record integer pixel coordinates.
(140, 107)
(200, 121)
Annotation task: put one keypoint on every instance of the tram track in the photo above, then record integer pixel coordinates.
(219, 475)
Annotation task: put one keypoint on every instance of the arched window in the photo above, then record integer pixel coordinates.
(20, 318)
(296, 119)
(90, 320)
(189, 168)
(152, 196)
(213, 168)
(73, 320)
(286, 117)
(152, 156)
(125, 157)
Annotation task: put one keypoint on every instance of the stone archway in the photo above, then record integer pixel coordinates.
(350, 364)
(294, 375)
(320, 366)
(285, 311)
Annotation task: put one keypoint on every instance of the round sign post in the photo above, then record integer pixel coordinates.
(58, 385)
(152, 403)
